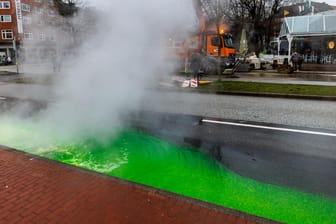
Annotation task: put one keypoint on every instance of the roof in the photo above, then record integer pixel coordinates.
(311, 25)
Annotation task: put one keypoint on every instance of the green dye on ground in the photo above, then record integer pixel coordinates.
(145, 159)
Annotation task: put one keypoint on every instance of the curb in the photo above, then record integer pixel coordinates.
(271, 95)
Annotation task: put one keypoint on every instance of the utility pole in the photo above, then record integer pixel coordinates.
(16, 55)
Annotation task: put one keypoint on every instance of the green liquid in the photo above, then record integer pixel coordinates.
(145, 159)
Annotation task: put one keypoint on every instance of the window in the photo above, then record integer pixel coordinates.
(52, 22)
(39, 10)
(51, 13)
(28, 35)
(25, 7)
(228, 42)
(26, 20)
(38, 1)
(7, 34)
(51, 2)
(42, 36)
(4, 5)
(5, 18)
(52, 37)
(215, 41)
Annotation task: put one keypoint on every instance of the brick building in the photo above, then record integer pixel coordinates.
(36, 28)
(8, 28)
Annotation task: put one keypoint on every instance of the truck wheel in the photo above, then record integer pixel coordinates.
(210, 70)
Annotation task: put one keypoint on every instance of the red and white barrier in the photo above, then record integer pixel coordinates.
(186, 83)
(193, 83)
(190, 83)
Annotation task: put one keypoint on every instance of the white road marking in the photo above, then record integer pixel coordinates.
(2, 98)
(270, 128)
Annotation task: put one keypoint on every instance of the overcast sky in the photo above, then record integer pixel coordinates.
(330, 2)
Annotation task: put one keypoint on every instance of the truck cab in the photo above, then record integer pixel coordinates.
(224, 43)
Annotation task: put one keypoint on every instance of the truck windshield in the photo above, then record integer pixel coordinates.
(228, 42)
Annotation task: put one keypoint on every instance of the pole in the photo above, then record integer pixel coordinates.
(16, 55)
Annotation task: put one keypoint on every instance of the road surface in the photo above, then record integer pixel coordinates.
(296, 157)
(297, 112)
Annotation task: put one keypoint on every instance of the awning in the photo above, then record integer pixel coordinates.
(312, 25)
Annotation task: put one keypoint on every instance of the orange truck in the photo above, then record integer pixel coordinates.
(208, 43)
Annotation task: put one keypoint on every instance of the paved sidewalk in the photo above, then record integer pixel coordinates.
(36, 190)
(37, 69)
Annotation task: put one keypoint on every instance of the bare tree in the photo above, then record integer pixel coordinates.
(257, 17)
(69, 7)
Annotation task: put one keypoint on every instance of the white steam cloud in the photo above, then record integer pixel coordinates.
(117, 65)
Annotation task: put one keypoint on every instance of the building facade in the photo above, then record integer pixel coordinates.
(8, 28)
(31, 30)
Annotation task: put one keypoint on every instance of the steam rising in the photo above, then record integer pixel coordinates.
(113, 70)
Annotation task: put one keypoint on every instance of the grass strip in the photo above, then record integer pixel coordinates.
(31, 80)
(270, 88)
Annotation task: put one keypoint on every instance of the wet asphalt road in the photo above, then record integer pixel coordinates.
(297, 112)
(26, 91)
